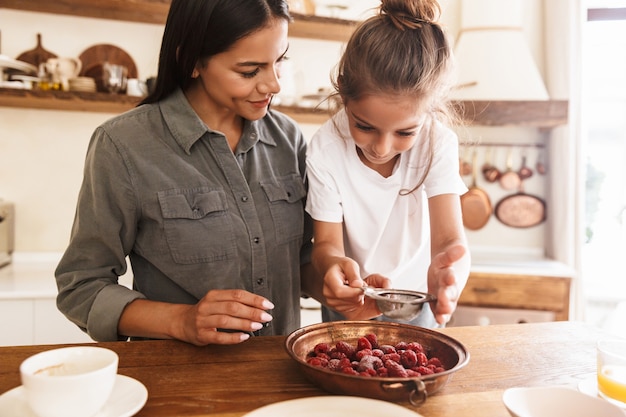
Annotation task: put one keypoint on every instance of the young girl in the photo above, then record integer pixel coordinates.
(383, 174)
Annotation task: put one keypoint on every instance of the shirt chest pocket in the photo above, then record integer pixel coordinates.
(285, 197)
(197, 225)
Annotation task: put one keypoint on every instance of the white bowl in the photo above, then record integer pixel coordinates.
(69, 382)
(556, 401)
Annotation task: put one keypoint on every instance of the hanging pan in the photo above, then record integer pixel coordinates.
(521, 210)
(475, 203)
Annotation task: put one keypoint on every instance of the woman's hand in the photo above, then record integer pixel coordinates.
(234, 310)
(342, 290)
(443, 281)
(238, 311)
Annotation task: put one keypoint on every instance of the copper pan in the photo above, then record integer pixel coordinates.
(415, 390)
(521, 210)
(475, 203)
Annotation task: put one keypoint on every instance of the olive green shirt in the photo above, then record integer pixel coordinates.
(165, 190)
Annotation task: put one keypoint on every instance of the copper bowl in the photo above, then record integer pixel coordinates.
(415, 390)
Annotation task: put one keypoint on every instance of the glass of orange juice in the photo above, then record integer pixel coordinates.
(612, 370)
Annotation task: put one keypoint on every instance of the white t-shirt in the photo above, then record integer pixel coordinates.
(384, 232)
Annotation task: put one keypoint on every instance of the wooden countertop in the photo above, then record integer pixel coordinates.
(229, 381)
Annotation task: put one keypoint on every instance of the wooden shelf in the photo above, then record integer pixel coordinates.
(155, 11)
(542, 114)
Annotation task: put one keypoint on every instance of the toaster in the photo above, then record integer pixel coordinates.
(7, 232)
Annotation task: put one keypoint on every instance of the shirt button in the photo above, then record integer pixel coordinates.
(244, 198)
(256, 240)
(259, 281)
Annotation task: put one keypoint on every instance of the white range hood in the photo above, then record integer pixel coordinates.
(493, 58)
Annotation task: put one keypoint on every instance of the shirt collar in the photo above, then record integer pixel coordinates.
(187, 128)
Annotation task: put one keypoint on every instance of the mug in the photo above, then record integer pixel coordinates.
(136, 87)
(63, 69)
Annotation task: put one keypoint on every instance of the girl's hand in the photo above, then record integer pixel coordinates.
(342, 290)
(443, 282)
(235, 310)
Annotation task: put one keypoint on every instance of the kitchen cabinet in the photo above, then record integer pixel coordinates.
(541, 114)
(518, 291)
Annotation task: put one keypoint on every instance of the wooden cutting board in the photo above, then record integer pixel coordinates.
(37, 55)
(95, 56)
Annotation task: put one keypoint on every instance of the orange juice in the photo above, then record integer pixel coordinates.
(612, 382)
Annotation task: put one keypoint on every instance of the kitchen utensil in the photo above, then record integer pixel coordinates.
(415, 390)
(398, 304)
(509, 180)
(465, 167)
(541, 165)
(14, 64)
(489, 170)
(556, 401)
(475, 203)
(36, 56)
(74, 381)
(114, 77)
(521, 210)
(524, 172)
(63, 69)
(332, 406)
(94, 57)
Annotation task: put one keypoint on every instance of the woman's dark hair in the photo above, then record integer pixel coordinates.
(196, 30)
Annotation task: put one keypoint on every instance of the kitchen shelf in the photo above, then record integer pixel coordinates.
(155, 11)
(541, 114)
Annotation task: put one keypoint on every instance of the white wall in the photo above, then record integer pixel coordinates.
(42, 151)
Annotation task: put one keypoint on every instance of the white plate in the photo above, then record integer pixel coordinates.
(7, 62)
(332, 406)
(127, 398)
(589, 386)
(556, 401)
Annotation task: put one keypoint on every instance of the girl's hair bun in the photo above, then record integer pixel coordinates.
(411, 14)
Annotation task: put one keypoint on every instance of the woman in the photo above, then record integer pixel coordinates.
(201, 186)
(384, 175)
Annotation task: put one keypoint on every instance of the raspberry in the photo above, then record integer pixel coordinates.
(422, 370)
(435, 361)
(361, 353)
(348, 370)
(402, 346)
(391, 357)
(321, 348)
(345, 348)
(378, 353)
(319, 362)
(373, 339)
(333, 365)
(422, 359)
(408, 358)
(388, 349)
(394, 369)
(415, 347)
(363, 343)
(369, 362)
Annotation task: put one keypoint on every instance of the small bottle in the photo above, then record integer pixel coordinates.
(46, 82)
